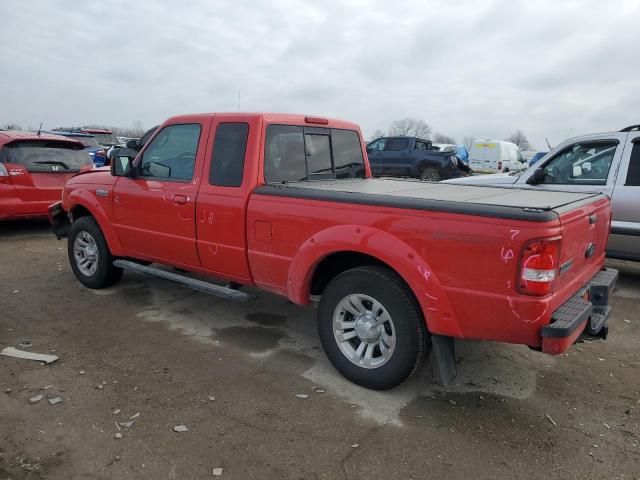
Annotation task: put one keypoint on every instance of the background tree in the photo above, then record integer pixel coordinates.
(12, 126)
(137, 128)
(410, 127)
(376, 134)
(520, 139)
(442, 138)
(468, 141)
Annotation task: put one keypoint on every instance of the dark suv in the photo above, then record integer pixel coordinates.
(413, 157)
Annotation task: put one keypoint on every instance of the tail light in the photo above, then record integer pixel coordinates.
(499, 165)
(101, 153)
(4, 174)
(539, 264)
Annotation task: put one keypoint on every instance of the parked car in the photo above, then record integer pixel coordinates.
(537, 156)
(33, 170)
(491, 156)
(460, 150)
(106, 138)
(603, 162)
(91, 145)
(131, 148)
(287, 203)
(412, 157)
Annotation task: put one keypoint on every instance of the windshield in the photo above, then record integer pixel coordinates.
(87, 141)
(106, 138)
(45, 156)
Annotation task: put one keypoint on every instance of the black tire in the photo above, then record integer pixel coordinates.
(411, 337)
(430, 174)
(105, 273)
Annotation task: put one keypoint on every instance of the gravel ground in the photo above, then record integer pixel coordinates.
(158, 355)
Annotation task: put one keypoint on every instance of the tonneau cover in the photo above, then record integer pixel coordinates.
(492, 201)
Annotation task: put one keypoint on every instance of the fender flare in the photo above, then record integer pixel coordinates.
(405, 261)
(84, 199)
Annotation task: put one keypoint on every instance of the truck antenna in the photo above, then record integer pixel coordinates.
(548, 144)
(40, 129)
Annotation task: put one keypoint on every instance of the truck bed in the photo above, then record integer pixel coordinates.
(486, 201)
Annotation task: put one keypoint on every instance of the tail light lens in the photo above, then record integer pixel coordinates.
(499, 165)
(4, 174)
(539, 264)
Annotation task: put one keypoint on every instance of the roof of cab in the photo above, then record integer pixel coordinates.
(284, 118)
(8, 136)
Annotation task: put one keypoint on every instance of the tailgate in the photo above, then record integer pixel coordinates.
(38, 186)
(585, 231)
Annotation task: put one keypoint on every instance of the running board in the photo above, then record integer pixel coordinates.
(199, 285)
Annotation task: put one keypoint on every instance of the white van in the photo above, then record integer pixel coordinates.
(491, 156)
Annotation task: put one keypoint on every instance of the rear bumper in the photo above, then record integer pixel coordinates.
(584, 314)
(59, 220)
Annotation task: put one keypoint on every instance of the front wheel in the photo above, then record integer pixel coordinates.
(430, 174)
(371, 327)
(89, 255)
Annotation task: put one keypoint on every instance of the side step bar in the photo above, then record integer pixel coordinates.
(199, 285)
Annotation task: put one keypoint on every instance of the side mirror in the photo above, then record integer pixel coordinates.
(586, 167)
(121, 166)
(537, 177)
(132, 144)
(577, 171)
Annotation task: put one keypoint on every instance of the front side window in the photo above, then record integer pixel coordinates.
(633, 173)
(229, 148)
(396, 144)
(377, 145)
(172, 153)
(295, 153)
(581, 164)
(421, 145)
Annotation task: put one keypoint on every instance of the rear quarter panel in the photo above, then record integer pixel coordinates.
(462, 269)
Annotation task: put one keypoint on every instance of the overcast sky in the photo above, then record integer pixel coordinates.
(482, 68)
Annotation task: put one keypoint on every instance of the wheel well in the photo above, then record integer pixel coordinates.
(337, 263)
(79, 211)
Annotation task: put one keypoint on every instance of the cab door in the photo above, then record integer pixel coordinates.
(624, 241)
(229, 175)
(154, 211)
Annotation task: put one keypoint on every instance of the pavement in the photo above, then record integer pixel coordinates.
(258, 399)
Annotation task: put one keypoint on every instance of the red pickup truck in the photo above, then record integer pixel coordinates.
(287, 203)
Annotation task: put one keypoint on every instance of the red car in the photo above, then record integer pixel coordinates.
(33, 170)
(287, 203)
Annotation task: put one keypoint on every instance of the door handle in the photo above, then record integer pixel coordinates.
(180, 199)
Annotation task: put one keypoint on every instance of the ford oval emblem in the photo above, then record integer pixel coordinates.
(591, 249)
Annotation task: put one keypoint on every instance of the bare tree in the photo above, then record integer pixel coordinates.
(137, 128)
(376, 134)
(12, 126)
(411, 127)
(520, 139)
(442, 138)
(468, 141)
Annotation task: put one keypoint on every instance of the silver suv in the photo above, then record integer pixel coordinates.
(603, 162)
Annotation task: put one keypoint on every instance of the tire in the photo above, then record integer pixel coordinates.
(85, 238)
(430, 174)
(390, 362)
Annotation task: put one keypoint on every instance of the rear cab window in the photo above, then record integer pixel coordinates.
(229, 149)
(46, 155)
(294, 153)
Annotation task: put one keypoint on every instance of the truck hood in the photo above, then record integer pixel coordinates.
(100, 176)
(490, 179)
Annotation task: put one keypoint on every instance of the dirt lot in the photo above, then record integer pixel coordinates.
(231, 372)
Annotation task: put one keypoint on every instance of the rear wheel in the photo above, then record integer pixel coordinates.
(371, 327)
(430, 174)
(89, 255)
